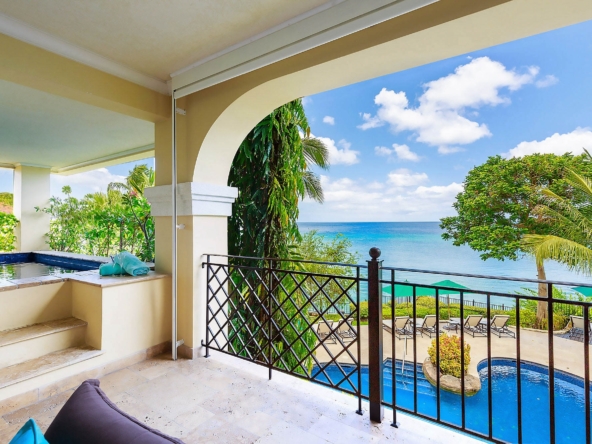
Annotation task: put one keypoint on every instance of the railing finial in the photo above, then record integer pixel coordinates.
(375, 253)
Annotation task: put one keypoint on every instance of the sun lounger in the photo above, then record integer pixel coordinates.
(577, 327)
(427, 325)
(498, 325)
(472, 325)
(324, 330)
(344, 331)
(402, 327)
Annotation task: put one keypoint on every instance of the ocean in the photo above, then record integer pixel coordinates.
(419, 245)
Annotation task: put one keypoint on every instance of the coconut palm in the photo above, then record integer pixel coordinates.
(571, 218)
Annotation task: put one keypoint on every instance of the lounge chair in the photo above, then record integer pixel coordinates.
(427, 325)
(402, 327)
(498, 325)
(577, 328)
(324, 330)
(344, 331)
(472, 325)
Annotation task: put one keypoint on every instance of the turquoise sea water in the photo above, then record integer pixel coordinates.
(419, 245)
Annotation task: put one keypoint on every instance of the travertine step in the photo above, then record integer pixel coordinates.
(44, 364)
(8, 337)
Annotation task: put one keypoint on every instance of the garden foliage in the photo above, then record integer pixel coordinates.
(8, 224)
(450, 355)
(103, 224)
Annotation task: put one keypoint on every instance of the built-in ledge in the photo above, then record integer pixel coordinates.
(88, 277)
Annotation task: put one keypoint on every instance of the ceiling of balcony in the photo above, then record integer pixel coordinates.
(132, 32)
(42, 129)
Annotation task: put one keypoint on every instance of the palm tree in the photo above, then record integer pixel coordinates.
(572, 238)
(272, 171)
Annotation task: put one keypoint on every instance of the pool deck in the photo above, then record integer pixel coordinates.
(568, 354)
(226, 400)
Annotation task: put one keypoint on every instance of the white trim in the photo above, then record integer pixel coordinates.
(147, 150)
(193, 199)
(29, 34)
(9, 166)
(270, 31)
(341, 19)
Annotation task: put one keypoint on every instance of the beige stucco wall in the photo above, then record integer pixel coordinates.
(126, 318)
(37, 68)
(31, 305)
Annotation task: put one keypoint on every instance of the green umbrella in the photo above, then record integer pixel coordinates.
(586, 291)
(451, 284)
(406, 291)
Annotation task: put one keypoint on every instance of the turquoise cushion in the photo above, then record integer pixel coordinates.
(29, 434)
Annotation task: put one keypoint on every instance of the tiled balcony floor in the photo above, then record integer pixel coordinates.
(225, 400)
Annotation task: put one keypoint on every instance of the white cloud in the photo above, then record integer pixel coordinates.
(370, 122)
(357, 200)
(405, 178)
(450, 149)
(438, 191)
(306, 100)
(440, 118)
(340, 152)
(383, 151)
(84, 183)
(329, 120)
(573, 142)
(547, 81)
(403, 152)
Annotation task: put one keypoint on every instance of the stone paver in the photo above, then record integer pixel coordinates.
(226, 400)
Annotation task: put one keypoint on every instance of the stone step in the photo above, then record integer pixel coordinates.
(44, 364)
(26, 343)
(8, 337)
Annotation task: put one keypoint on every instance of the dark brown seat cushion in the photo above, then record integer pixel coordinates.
(89, 417)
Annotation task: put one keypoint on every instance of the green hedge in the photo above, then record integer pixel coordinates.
(426, 305)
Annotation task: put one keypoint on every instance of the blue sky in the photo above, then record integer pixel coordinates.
(402, 144)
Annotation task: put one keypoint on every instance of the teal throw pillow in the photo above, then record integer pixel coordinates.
(29, 434)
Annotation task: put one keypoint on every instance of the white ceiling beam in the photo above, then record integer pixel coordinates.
(29, 34)
(301, 34)
(141, 152)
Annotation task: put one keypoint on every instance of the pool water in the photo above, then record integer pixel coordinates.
(30, 269)
(569, 400)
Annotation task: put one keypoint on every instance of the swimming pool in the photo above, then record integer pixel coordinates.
(569, 400)
(27, 265)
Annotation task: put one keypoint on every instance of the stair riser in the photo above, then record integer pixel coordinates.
(36, 347)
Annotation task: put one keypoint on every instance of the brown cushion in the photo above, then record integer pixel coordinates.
(89, 417)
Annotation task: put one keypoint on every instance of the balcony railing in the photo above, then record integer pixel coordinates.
(329, 328)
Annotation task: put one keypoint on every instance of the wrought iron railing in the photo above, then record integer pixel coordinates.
(284, 316)
(279, 315)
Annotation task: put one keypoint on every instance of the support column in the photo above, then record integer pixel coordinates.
(31, 189)
(203, 209)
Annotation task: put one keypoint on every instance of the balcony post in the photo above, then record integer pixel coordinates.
(375, 336)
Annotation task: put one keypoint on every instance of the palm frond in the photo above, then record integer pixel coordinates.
(315, 152)
(575, 256)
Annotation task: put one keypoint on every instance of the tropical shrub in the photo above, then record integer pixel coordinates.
(450, 355)
(8, 223)
(103, 224)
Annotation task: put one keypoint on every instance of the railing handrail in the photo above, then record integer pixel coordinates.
(286, 260)
(413, 270)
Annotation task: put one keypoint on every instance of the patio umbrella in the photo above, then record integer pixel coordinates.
(406, 291)
(452, 284)
(586, 291)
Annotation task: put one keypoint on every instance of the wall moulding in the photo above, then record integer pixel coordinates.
(193, 199)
